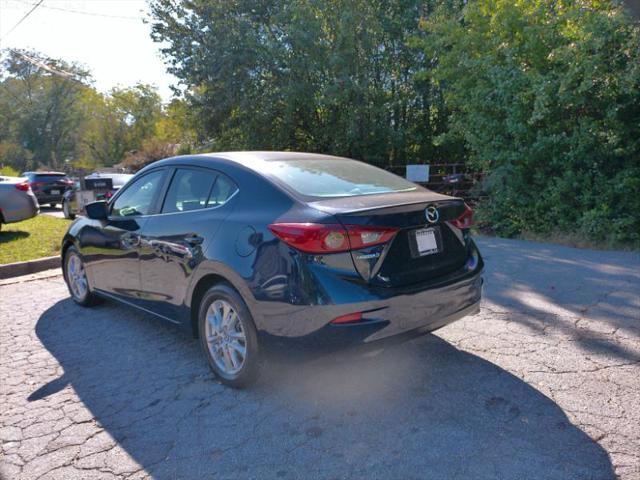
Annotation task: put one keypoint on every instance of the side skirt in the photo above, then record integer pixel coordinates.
(138, 307)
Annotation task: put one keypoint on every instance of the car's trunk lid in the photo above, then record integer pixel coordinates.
(401, 262)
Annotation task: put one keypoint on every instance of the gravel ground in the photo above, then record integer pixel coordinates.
(543, 384)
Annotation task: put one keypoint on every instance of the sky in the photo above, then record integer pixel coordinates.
(117, 51)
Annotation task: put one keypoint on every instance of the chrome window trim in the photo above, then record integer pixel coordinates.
(194, 211)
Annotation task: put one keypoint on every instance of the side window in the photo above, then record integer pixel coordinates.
(222, 191)
(189, 190)
(137, 198)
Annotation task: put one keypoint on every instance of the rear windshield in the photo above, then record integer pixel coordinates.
(49, 176)
(336, 177)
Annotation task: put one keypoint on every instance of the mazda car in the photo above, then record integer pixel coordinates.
(277, 251)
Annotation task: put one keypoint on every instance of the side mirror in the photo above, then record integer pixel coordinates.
(97, 210)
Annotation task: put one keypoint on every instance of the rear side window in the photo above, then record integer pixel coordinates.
(189, 190)
(222, 191)
(336, 177)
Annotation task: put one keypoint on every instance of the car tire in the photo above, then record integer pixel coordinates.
(76, 278)
(222, 343)
(66, 211)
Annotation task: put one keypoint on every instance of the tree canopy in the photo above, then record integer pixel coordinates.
(326, 75)
(545, 97)
(52, 117)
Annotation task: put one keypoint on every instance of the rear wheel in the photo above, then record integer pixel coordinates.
(228, 336)
(76, 278)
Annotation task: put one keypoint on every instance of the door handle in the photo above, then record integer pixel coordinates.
(194, 239)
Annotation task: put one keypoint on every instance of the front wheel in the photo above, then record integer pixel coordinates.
(76, 278)
(228, 336)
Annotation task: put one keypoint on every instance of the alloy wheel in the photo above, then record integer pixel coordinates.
(76, 276)
(225, 336)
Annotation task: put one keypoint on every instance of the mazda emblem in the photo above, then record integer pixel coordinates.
(432, 214)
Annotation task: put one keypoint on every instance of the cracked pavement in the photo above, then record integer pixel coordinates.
(543, 383)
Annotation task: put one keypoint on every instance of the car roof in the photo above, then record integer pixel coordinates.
(45, 173)
(249, 158)
(256, 161)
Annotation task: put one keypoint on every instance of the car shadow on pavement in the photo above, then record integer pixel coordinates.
(586, 295)
(420, 410)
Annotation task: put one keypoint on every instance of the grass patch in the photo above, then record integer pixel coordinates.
(34, 238)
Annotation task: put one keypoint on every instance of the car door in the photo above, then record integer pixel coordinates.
(111, 247)
(173, 243)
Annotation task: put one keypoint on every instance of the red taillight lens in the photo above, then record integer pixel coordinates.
(36, 185)
(24, 186)
(321, 238)
(465, 220)
(312, 237)
(108, 195)
(348, 318)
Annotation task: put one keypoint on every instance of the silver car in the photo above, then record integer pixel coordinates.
(17, 201)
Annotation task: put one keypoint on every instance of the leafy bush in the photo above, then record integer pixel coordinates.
(545, 95)
(9, 172)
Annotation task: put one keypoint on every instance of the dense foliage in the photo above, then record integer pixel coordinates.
(545, 95)
(326, 75)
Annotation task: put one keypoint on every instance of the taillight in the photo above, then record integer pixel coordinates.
(36, 185)
(465, 220)
(348, 318)
(108, 195)
(330, 238)
(24, 186)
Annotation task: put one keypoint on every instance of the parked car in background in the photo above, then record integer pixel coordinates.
(48, 187)
(71, 206)
(250, 250)
(17, 201)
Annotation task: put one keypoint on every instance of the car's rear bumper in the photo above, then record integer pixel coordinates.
(395, 317)
(366, 336)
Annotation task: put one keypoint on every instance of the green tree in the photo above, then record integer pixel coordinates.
(335, 76)
(39, 107)
(545, 95)
(119, 123)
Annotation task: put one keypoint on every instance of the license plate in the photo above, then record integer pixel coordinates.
(426, 241)
(54, 192)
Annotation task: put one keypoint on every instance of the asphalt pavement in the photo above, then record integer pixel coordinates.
(544, 383)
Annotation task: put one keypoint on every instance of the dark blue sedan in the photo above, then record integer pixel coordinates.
(278, 250)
